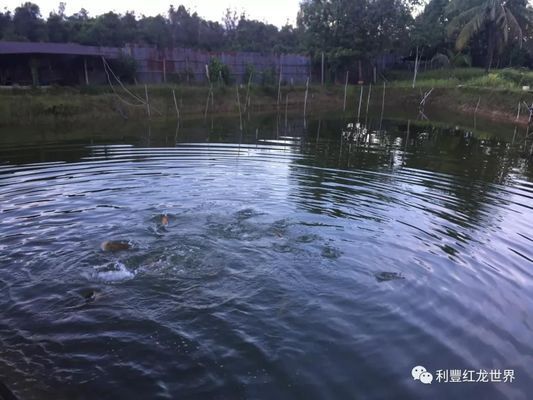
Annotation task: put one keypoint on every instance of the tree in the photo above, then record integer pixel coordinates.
(28, 24)
(430, 27)
(56, 25)
(6, 26)
(350, 30)
(497, 22)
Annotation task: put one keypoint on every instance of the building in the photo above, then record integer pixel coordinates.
(31, 63)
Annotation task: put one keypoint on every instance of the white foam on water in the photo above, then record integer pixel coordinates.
(118, 273)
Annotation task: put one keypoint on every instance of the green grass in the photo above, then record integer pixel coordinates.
(504, 79)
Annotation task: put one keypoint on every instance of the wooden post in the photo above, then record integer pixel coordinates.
(85, 70)
(360, 65)
(323, 61)
(165, 70)
(375, 74)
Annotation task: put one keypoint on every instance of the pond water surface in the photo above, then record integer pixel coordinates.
(290, 264)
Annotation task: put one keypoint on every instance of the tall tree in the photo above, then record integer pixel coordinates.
(28, 23)
(56, 25)
(497, 22)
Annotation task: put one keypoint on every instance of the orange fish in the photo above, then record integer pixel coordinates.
(113, 245)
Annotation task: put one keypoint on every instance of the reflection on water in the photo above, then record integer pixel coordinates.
(280, 262)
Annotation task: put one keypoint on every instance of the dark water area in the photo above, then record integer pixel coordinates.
(280, 262)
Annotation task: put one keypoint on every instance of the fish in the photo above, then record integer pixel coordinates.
(388, 276)
(115, 245)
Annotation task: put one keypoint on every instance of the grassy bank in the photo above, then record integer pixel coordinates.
(495, 95)
(455, 91)
(41, 105)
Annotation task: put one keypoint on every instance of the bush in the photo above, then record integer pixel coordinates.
(249, 72)
(268, 76)
(219, 72)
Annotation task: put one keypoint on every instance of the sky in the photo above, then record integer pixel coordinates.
(276, 12)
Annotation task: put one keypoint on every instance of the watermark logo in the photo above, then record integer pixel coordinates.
(420, 373)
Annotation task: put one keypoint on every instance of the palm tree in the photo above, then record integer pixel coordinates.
(500, 21)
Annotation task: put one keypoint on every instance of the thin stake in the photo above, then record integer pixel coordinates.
(176, 104)
(286, 109)
(305, 101)
(208, 92)
(207, 104)
(279, 85)
(247, 100)
(382, 106)
(416, 68)
(475, 113)
(323, 62)
(345, 91)
(360, 103)
(147, 102)
(239, 103)
(368, 103)
(516, 125)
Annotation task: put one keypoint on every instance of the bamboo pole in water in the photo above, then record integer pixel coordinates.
(279, 86)
(345, 91)
(360, 103)
(286, 109)
(416, 68)
(516, 125)
(208, 92)
(408, 132)
(239, 103)
(475, 112)
(382, 106)
(368, 103)
(147, 102)
(305, 101)
(247, 99)
(176, 104)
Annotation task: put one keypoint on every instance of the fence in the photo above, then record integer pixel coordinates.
(155, 66)
(160, 65)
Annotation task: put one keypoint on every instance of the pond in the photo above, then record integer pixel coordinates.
(280, 262)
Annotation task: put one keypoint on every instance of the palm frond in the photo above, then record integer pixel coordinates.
(456, 7)
(466, 16)
(471, 29)
(514, 27)
(503, 24)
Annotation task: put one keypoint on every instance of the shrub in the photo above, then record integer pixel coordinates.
(219, 72)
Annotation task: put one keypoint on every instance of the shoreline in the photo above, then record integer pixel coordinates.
(86, 104)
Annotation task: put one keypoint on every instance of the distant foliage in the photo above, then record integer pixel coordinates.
(219, 72)
(178, 28)
(125, 67)
(488, 33)
(268, 77)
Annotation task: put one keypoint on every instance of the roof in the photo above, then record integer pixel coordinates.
(57, 48)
